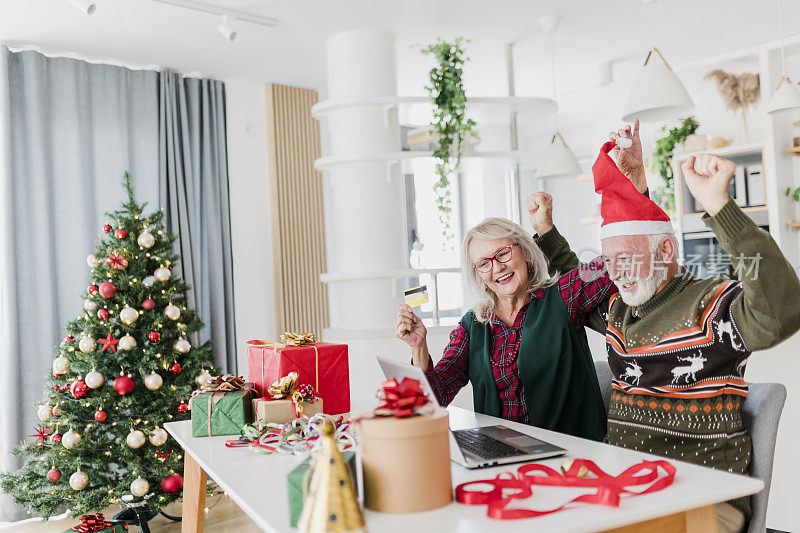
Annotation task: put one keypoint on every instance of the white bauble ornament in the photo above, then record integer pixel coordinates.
(87, 344)
(139, 487)
(158, 437)
(92, 261)
(148, 281)
(89, 305)
(153, 381)
(128, 315)
(44, 412)
(146, 239)
(78, 480)
(70, 439)
(94, 379)
(202, 378)
(60, 365)
(172, 312)
(127, 343)
(182, 346)
(162, 274)
(135, 439)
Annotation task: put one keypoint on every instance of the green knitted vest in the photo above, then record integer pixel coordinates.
(554, 364)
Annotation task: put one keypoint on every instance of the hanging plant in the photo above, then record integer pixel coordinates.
(661, 163)
(450, 123)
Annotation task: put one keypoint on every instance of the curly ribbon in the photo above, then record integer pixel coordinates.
(293, 340)
(218, 386)
(299, 437)
(92, 522)
(288, 388)
(402, 399)
(609, 489)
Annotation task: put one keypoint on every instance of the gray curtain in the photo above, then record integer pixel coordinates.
(68, 130)
(194, 190)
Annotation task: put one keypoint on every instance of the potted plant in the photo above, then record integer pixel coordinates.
(664, 195)
(450, 122)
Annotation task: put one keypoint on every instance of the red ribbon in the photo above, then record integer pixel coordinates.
(401, 399)
(609, 488)
(92, 522)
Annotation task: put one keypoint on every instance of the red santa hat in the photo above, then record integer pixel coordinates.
(624, 209)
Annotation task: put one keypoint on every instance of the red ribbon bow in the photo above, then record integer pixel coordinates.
(401, 399)
(609, 488)
(92, 522)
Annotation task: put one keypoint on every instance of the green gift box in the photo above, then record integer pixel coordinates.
(222, 412)
(300, 478)
(117, 527)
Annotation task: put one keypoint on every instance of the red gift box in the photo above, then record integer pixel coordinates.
(322, 365)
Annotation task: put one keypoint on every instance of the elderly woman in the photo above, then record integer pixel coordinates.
(523, 345)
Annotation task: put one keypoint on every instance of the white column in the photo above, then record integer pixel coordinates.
(365, 200)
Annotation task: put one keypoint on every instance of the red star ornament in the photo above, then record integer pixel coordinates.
(116, 261)
(41, 434)
(109, 342)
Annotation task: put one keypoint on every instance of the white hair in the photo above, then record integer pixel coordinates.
(657, 239)
(501, 228)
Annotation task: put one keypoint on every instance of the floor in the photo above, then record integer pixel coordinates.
(223, 516)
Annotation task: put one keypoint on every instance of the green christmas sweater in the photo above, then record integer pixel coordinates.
(678, 360)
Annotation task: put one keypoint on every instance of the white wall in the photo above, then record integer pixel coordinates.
(250, 215)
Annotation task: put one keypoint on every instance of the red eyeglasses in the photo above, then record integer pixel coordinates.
(503, 255)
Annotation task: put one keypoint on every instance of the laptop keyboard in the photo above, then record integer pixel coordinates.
(472, 441)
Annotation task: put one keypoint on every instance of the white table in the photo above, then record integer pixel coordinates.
(257, 483)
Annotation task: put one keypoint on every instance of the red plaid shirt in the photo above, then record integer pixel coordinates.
(580, 294)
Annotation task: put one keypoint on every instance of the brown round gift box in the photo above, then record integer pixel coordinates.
(406, 463)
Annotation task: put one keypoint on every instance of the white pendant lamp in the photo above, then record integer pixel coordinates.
(786, 95)
(657, 95)
(557, 160)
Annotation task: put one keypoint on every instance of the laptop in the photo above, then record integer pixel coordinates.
(482, 446)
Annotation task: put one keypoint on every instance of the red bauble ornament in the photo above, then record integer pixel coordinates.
(172, 483)
(53, 475)
(107, 289)
(175, 369)
(91, 289)
(120, 234)
(79, 389)
(123, 385)
(100, 416)
(102, 314)
(55, 438)
(68, 338)
(107, 228)
(154, 336)
(56, 410)
(183, 407)
(148, 304)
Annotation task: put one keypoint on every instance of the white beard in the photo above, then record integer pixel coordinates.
(646, 287)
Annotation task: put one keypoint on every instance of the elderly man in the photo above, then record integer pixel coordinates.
(678, 345)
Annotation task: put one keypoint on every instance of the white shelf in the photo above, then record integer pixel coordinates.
(417, 110)
(728, 150)
(325, 163)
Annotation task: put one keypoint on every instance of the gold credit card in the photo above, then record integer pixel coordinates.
(416, 296)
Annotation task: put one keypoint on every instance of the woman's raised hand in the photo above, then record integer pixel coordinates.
(410, 328)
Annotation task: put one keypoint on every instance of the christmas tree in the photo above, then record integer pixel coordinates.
(125, 368)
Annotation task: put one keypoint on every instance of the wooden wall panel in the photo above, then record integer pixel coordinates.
(298, 218)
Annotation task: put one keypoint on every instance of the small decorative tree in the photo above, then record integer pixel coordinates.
(450, 122)
(125, 368)
(661, 163)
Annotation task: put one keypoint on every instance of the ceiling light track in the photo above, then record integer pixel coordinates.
(221, 11)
